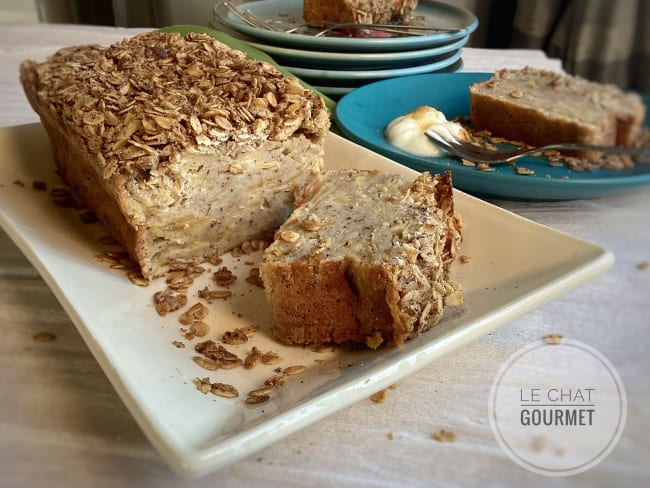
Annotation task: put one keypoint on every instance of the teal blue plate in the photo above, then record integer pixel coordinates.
(280, 12)
(363, 114)
(355, 61)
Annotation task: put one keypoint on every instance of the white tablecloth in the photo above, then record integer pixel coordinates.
(61, 423)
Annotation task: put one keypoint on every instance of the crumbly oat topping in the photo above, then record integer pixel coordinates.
(141, 102)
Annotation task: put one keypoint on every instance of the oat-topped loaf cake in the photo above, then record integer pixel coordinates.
(358, 11)
(182, 146)
(366, 259)
(542, 107)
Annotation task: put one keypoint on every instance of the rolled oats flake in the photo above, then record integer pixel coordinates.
(444, 436)
(167, 301)
(224, 277)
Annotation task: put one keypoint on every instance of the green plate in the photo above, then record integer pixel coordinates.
(251, 52)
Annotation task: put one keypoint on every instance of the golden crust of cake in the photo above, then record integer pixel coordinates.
(366, 259)
(542, 107)
(358, 11)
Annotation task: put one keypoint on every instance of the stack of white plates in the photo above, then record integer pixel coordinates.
(336, 65)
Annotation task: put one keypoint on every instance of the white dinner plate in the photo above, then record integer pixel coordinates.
(433, 14)
(516, 266)
(337, 60)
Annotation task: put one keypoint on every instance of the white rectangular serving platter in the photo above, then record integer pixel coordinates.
(516, 265)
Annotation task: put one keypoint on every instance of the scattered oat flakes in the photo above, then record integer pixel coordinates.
(254, 400)
(271, 357)
(44, 337)
(484, 167)
(553, 338)
(203, 384)
(252, 358)
(464, 258)
(168, 301)
(235, 337)
(219, 354)
(379, 397)
(389, 436)
(195, 313)
(211, 295)
(264, 391)
(520, 170)
(179, 344)
(642, 265)
(254, 278)
(223, 277)
(294, 370)
(275, 380)
(39, 185)
(393, 386)
(224, 390)
(197, 329)
(444, 436)
(206, 363)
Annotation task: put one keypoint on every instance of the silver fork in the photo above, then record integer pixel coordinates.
(324, 27)
(471, 152)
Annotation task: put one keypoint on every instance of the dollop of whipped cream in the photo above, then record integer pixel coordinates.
(407, 131)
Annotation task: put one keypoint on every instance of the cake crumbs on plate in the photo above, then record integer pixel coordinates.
(44, 337)
(553, 339)
(521, 170)
(224, 277)
(444, 436)
(379, 397)
(642, 265)
(39, 185)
